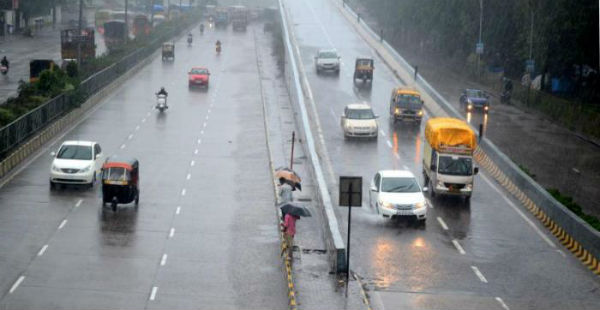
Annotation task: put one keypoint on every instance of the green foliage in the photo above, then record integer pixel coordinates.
(527, 172)
(575, 208)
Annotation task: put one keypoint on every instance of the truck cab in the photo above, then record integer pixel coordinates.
(406, 104)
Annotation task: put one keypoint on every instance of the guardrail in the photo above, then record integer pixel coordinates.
(573, 232)
(336, 249)
(17, 139)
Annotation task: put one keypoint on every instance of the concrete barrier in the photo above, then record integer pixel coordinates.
(336, 249)
(572, 231)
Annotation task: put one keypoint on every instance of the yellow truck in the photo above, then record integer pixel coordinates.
(448, 165)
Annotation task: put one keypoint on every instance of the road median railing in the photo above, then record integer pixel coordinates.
(28, 133)
(569, 229)
(336, 250)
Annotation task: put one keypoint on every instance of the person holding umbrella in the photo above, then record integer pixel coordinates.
(291, 213)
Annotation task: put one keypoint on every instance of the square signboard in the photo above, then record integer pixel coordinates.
(350, 185)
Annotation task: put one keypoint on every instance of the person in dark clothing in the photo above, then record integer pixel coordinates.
(4, 62)
(162, 91)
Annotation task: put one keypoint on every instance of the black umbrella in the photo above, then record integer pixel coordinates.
(294, 209)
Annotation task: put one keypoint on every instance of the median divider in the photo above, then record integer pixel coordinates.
(336, 250)
(570, 230)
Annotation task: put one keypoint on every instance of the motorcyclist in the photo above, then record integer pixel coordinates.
(189, 39)
(218, 46)
(4, 62)
(201, 28)
(163, 92)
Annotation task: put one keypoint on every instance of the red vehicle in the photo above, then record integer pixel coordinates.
(198, 76)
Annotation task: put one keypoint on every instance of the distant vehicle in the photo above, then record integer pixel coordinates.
(168, 51)
(71, 41)
(363, 70)
(36, 67)
(221, 17)
(115, 34)
(472, 99)
(327, 60)
(198, 76)
(141, 25)
(210, 11)
(101, 17)
(448, 157)
(406, 104)
(239, 18)
(161, 102)
(397, 193)
(76, 162)
(120, 181)
(359, 120)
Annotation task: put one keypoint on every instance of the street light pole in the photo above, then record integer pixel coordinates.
(126, 22)
(531, 35)
(480, 26)
(80, 24)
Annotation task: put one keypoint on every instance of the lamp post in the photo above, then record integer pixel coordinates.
(126, 22)
(479, 50)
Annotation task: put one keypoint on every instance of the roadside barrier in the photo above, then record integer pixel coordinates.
(573, 232)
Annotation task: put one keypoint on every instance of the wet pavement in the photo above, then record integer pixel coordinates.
(204, 235)
(486, 254)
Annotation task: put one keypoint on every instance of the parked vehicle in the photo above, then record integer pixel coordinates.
(448, 157)
(75, 162)
(141, 25)
(327, 60)
(359, 120)
(36, 67)
(239, 18)
(397, 193)
(72, 42)
(472, 99)
(115, 34)
(406, 104)
(120, 181)
(363, 70)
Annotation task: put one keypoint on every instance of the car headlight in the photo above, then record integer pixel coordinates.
(86, 169)
(486, 107)
(387, 205)
(469, 187)
(397, 111)
(420, 205)
(420, 113)
(55, 169)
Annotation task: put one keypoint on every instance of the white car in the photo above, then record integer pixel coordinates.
(327, 60)
(395, 193)
(76, 162)
(359, 120)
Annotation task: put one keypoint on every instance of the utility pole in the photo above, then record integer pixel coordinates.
(126, 22)
(480, 27)
(79, 33)
(531, 35)
(152, 13)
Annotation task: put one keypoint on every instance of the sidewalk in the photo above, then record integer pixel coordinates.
(547, 150)
(315, 287)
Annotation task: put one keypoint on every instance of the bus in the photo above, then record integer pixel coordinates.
(141, 25)
(101, 17)
(115, 34)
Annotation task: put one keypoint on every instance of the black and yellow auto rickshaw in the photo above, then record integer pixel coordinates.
(168, 51)
(120, 181)
(36, 67)
(363, 70)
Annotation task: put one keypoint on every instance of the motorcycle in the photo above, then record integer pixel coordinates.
(161, 102)
(3, 70)
(189, 41)
(218, 49)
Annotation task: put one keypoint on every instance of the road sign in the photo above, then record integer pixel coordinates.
(350, 191)
(479, 48)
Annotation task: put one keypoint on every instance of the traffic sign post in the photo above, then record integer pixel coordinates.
(350, 196)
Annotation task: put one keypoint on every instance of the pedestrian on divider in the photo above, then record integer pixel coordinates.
(289, 230)
(284, 191)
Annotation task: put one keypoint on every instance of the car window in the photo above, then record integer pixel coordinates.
(474, 93)
(116, 174)
(360, 114)
(79, 152)
(328, 54)
(399, 185)
(199, 71)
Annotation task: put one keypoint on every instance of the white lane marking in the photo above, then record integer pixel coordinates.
(17, 283)
(122, 146)
(561, 253)
(137, 127)
(199, 141)
(405, 167)
(153, 294)
(332, 113)
(42, 250)
(208, 111)
(192, 163)
(502, 303)
(389, 143)
(183, 192)
(206, 118)
(510, 203)
(204, 125)
(163, 261)
(429, 203)
(148, 114)
(178, 210)
(62, 224)
(130, 136)
(196, 151)
(201, 132)
(143, 120)
(479, 274)
(442, 223)
(188, 176)
(397, 156)
(171, 232)
(382, 132)
(78, 203)
(458, 247)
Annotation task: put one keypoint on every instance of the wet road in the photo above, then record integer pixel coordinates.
(205, 233)
(489, 254)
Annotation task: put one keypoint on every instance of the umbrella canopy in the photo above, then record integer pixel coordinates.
(290, 177)
(295, 209)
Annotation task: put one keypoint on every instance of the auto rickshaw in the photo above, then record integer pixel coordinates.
(363, 70)
(168, 51)
(120, 181)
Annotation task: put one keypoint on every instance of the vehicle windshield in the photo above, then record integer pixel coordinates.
(360, 114)
(474, 93)
(408, 101)
(328, 54)
(79, 152)
(116, 174)
(400, 185)
(454, 165)
(363, 62)
(199, 71)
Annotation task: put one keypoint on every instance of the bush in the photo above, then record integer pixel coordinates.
(575, 208)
